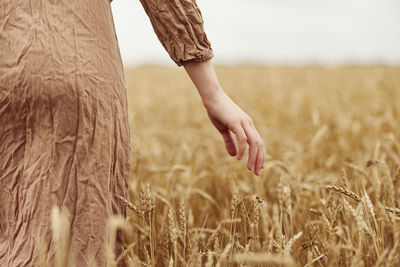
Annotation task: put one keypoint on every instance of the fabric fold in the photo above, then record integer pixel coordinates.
(179, 26)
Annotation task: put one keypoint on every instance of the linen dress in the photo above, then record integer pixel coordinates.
(64, 131)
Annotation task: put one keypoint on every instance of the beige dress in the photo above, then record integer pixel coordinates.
(64, 132)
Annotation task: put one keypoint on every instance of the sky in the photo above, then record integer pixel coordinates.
(290, 32)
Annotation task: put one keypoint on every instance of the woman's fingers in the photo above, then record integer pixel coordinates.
(261, 143)
(253, 142)
(256, 147)
(263, 158)
(259, 161)
(241, 138)
(246, 133)
(229, 142)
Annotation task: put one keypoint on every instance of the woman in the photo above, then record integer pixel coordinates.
(64, 132)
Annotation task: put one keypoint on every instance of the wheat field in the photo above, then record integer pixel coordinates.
(329, 192)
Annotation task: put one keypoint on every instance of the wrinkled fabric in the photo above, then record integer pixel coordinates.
(180, 28)
(64, 129)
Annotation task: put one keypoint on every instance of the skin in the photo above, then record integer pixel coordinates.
(227, 116)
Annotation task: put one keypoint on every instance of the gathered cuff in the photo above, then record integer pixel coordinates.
(200, 57)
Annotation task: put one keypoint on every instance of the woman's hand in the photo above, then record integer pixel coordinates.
(227, 117)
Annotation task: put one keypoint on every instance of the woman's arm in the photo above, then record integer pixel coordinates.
(227, 116)
(179, 27)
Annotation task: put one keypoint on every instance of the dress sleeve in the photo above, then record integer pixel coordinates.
(179, 26)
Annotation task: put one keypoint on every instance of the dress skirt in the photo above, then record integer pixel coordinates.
(64, 129)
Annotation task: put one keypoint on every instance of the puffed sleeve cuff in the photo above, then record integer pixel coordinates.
(200, 56)
(179, 26)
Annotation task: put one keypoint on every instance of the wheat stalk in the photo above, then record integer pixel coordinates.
(344, 192)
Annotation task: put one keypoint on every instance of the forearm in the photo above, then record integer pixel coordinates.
(205, 79)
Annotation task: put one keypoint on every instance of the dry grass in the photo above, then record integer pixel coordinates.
(329, 193)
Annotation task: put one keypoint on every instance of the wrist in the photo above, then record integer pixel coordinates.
(211, 94)
(205, 80)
